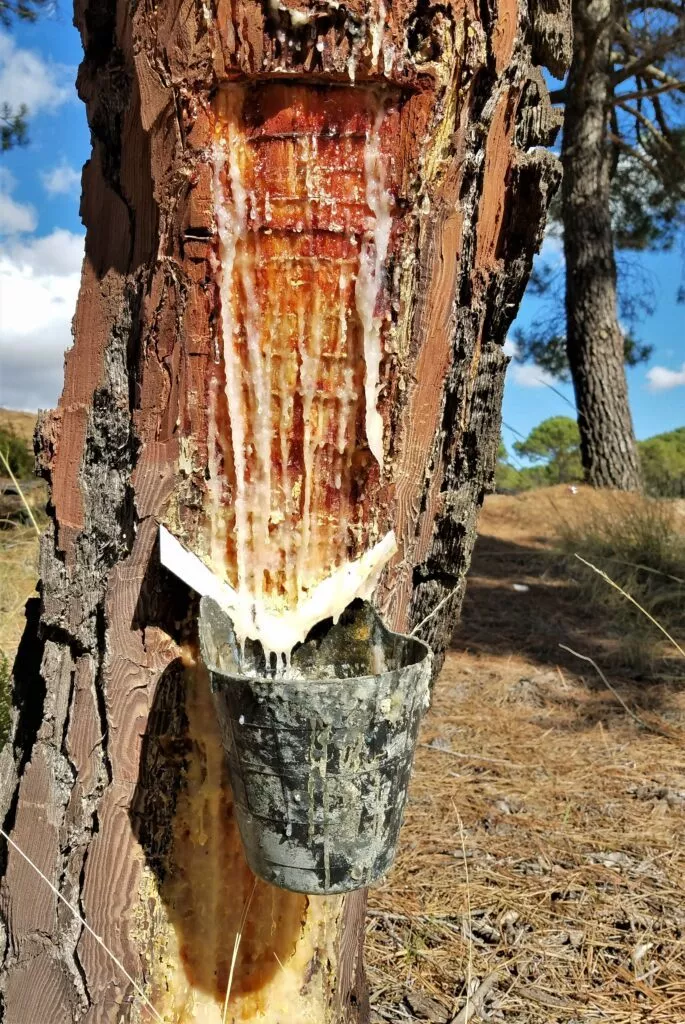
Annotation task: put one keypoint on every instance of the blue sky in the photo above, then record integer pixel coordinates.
(41, 249)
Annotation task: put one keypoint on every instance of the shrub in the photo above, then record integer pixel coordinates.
(663, 464)
(5, 698)
(17, 453)
(639, 543)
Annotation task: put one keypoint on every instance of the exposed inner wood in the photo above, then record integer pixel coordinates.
(197, 866)
(295, 437)
(114, 779)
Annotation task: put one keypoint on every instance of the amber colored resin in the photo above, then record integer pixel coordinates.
(285, 936)
(304, 228)
(295, 451)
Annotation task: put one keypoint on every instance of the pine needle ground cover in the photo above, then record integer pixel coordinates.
(541, 876)
(18, 546)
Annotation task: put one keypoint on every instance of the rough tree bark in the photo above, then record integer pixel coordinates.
(113, 781)
(594, 338)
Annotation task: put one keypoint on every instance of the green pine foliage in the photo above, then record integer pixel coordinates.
(13, 127)
(554, 445)
(17, 453)
(645, 142)
(13, 124)
(25, 10)
(663, 464)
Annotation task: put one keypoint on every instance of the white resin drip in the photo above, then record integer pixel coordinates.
(377, 32)
(231, 225)
(286, 413)
(369, 279)
(309, 372)
(260, 372)
(352, 62)
(214, 484)
(290, 531)
(346, 395)
(280, 631)
(253, 504)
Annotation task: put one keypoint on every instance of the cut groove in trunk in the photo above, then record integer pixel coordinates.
(249, 162)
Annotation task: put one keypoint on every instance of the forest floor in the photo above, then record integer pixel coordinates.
(22, 424)
(18, 541)
(542, 863)
(541, 873)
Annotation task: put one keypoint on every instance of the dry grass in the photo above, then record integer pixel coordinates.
(18, 574)
(572, 814)
(640, 543)
(22, 517)
(530, 540)
(21, 424)
(573, 820)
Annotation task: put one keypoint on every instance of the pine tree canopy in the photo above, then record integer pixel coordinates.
(645, 145)
(26, 10)
(13, 127)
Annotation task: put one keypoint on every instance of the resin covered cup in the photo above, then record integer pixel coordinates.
(320, 753)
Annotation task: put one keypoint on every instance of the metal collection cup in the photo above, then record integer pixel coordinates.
(320, 758)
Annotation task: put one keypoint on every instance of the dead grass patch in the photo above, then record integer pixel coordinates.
(541, 875)
(640, 544)
(18, 576)
(573, 818)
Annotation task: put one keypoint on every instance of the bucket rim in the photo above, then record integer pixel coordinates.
(423, 658)
(300, 682)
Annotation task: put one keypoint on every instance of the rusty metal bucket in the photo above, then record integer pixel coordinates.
(319, 761)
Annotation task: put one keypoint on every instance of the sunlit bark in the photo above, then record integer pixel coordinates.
(366, 397)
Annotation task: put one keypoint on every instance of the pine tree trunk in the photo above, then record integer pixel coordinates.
(593, 336)
(114, 780)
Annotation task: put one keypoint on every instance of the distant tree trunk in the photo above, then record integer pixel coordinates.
(593, 336)
(114, 781)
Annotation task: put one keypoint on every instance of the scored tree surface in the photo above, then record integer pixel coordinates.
(308, 231)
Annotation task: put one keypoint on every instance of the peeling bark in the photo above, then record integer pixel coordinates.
(114, 780)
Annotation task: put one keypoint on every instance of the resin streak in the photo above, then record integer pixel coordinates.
(205, 890)
(304, 229)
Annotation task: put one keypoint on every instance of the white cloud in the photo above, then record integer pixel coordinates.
(27, 78)
(59, 254)
(61, 180)
(527, 375)
(14, 216)
(39, 282)
(553, 244)
(660, 378)
(510, 348)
